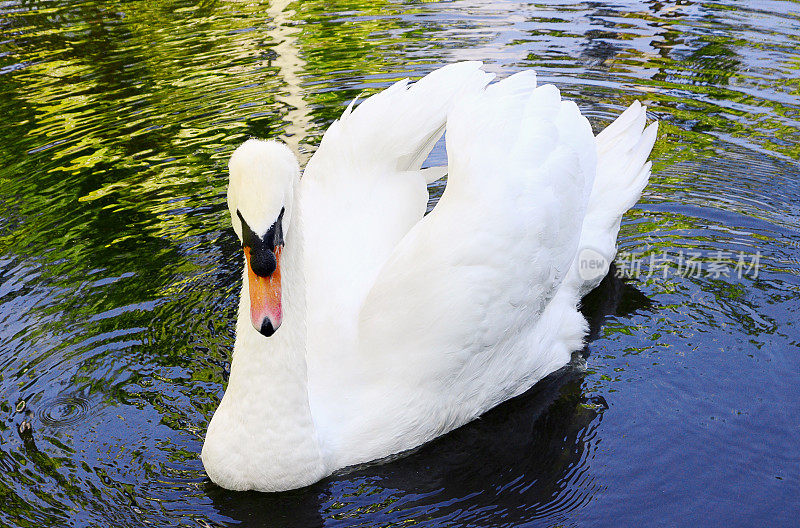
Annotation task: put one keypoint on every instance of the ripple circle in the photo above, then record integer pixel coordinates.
(63, 411)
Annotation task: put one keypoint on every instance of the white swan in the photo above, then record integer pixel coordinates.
(391, 328)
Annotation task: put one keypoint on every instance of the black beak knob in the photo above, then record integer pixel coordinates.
(263, 261)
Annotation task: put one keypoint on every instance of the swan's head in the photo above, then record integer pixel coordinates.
(260, 191)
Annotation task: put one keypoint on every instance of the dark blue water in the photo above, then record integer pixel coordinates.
(119, 273)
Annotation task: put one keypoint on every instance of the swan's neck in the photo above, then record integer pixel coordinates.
(262, 436)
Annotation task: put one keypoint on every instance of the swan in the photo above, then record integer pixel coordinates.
(367, 328)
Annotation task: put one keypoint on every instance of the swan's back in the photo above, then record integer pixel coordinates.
(469, 310)
(478, 300)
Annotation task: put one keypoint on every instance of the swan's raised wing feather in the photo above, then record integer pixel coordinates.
(471, 282)
(622, 173)
(360, 194)
(395, 129)
(362, 188)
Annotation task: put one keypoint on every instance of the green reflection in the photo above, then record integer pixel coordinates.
(119, 272)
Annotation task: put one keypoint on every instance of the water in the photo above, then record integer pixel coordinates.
(119, 271)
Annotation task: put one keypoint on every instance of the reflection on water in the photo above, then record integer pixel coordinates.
(532, 455)
(523, 461)
(118, 272)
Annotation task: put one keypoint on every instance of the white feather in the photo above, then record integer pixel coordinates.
(402, 327)
(622, 174)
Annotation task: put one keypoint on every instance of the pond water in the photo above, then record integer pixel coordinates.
(119, 272)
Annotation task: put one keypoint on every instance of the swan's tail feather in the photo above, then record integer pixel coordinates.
(397, 128)
(622, 174)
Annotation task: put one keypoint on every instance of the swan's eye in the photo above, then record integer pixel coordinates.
(275, 232)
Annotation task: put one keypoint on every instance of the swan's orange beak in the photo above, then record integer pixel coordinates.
(266, 313)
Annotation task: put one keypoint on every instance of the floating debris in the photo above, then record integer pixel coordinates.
(26, 426)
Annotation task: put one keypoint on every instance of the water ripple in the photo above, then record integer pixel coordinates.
(63, 411)
(119, 273)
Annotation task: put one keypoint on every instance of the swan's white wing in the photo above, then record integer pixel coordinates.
(360, 194)
(362, 189)
(622, 174)
(455, 322)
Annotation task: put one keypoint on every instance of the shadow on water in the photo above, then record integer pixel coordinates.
(525, 460)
